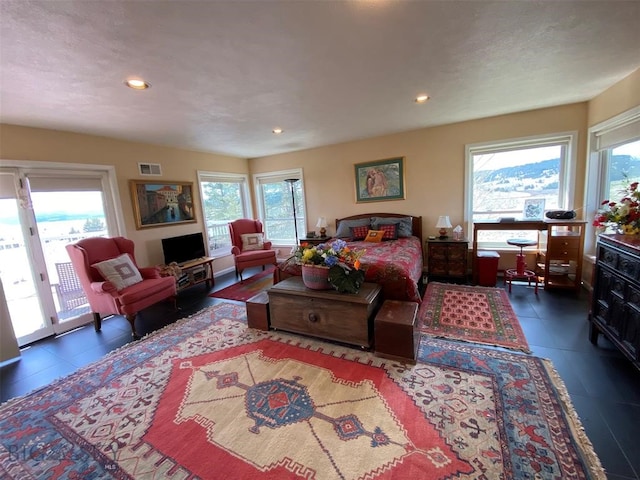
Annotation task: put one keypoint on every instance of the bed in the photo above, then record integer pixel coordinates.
(394, 264)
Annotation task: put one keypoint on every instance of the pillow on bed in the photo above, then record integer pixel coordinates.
(374, 236)
(344, 228)
(359, 233)
(389, 232)
(404, 224)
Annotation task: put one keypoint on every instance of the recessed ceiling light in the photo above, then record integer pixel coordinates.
(277, 131)
(137, 84)
(422, 98)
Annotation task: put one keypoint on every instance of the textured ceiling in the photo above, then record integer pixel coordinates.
(225, 73)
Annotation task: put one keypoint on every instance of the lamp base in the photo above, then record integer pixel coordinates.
(323, 232)
(443, 233)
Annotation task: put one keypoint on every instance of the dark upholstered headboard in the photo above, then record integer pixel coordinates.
(416, 222)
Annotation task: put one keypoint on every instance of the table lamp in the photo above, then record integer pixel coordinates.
(443, 223)
(322, 225)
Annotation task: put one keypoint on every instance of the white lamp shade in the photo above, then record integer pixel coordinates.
(443, 222)
(322, 222)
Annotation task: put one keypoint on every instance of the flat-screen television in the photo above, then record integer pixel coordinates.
(183, 248)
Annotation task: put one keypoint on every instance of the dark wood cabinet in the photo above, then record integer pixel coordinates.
(615, 301)
(447, 258)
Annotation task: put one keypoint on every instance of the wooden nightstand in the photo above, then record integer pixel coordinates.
(447, 258)
(315, 240)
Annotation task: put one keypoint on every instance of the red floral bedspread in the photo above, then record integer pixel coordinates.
(396, 265)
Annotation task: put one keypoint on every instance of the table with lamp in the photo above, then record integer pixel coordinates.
(317, 240)
(447, 256)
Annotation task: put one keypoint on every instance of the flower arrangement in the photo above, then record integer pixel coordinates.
(624, 214)
(343, 263)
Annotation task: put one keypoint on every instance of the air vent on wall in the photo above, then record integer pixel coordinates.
(150, 169)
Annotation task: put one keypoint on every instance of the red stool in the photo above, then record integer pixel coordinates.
(521, 272)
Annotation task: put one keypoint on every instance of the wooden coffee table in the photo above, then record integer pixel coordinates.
(327, 314)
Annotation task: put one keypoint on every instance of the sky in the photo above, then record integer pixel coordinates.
(493, 161)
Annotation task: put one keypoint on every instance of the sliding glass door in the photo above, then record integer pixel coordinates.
(42, 211)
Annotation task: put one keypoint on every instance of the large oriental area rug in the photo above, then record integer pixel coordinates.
(472, 314)
(208, 398)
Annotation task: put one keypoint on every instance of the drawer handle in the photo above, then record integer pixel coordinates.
(313, 318)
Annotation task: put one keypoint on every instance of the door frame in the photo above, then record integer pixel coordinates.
(115, 223)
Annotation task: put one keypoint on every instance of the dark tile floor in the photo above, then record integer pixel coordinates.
(604, 386)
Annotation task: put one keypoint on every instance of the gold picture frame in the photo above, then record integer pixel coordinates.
(380, 180)
(161, 204)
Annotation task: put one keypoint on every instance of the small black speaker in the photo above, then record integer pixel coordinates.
(561, 214)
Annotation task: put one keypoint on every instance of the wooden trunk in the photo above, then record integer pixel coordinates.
(327, 314)
(396, 333)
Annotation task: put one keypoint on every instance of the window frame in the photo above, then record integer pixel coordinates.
(301, 209)
(566, 180)
(624, 128)
(223, 177)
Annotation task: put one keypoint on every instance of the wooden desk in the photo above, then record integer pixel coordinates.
(565, 246)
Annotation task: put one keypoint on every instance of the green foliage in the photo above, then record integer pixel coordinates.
(345, 279)
(221, 201)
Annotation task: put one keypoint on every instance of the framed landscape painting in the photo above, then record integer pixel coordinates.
(380, 180)
(159, 204)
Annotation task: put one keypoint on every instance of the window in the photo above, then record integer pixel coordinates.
(275, 204)
(224, 199)
(613, 161)
(622, 166)
(503, 178)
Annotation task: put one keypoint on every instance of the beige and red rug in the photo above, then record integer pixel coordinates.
(471, 314)
(209, 398)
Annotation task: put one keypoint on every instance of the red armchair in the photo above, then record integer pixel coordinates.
(103, 295)
(254, 251)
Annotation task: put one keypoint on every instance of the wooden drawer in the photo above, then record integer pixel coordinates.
(327, 314)
(561, 251)
(457, 252)
(565, 242)
(438, 252)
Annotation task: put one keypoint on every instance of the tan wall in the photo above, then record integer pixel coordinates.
(621, 97)
(434, 164)
(24, 143)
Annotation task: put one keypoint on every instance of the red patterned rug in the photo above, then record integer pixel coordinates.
(471, 314)
(208, 398)
(243, 291)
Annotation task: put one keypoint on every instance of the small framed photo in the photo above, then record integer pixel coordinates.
(380, 180)
(533, 209)
(160, 204)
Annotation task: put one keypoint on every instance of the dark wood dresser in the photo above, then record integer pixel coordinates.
(615, 307)
(447, 258)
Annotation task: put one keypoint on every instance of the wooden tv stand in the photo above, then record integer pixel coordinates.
(194, 272)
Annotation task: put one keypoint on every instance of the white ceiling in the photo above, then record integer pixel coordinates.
(225, 73)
